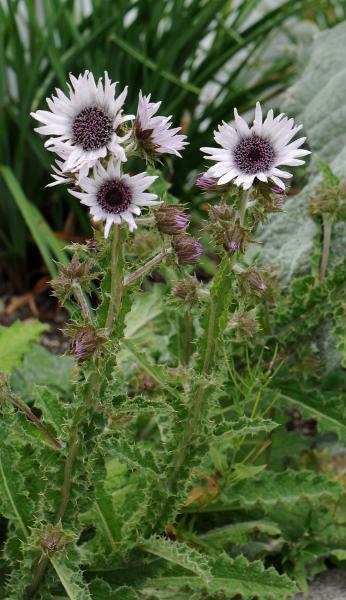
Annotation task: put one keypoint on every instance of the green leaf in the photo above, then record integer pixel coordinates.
(243, 426)
(229, 577)
(42, 368)
(50, 247)
(269, 489)
(71, 579)
(16, 340)
(179, 554)
(14, 502)
(238, 533)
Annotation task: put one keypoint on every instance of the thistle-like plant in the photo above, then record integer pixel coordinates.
(147, 433)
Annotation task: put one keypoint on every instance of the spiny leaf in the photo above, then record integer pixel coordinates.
(179, 554)
(269, 488)
(230, 577)
(243, 426)
(71, 579)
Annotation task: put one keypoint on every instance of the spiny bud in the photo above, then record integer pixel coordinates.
(171, 219)
(258, 282)
(328, 200)
(53, 539)
(186, 290)
(187, 249)
(85, 341)
(235, 238)
(245, 323)
(75, 271)
(252, 282)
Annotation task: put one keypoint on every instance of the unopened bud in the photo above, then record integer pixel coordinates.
(53, 539)
(187, 249)
(75, 271)
(329, 200)
(235, 238)
(245, 323)
(252, 282)
(85, 341)
(186, 290)
(204, 182)
(172, 219)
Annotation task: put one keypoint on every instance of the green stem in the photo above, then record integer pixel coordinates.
(53, 442)
(79, 295)
(40, 565)
(327, 234)
(210, 339)
(116, 279)
(130, 279)
(243, 207)
(187, 319)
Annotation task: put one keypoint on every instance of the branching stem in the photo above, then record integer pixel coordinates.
(243, 206)
(187, 319)
(82, 301)
(327, 234)
(130, 279)
(116, 279)
(53, 442)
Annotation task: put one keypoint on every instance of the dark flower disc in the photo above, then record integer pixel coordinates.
(114, 196)
(254, 154)
(92, 128)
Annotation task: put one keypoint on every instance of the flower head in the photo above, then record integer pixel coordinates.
(155, 133)
(84, 125)
(204, 182)
(171, 219)
(113, 197)
(248, 153)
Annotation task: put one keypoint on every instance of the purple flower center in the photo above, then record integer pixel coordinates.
(254, 155)
(92, 128)
(114, 196)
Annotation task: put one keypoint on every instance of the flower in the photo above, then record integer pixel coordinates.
(84, 125)
(187, 249)
(155, 134)
(256, 152)
(113, 197)
(171, 219)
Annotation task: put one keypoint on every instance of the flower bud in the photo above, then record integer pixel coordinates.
(235, 238)
(75, 271)
(258, 282)
(171, 219)
(328, 200)
(252, 282)
(244, 322)
(187, 249)
(186, 290)
(85, 341)
(204, 182)
(53, 539)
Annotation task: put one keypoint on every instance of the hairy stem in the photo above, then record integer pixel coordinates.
(41, 564)
(79, 295)
(53, 442)
(130, 279)
(116, 279)
(243, 206)
(187, 319)
(327, 234)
